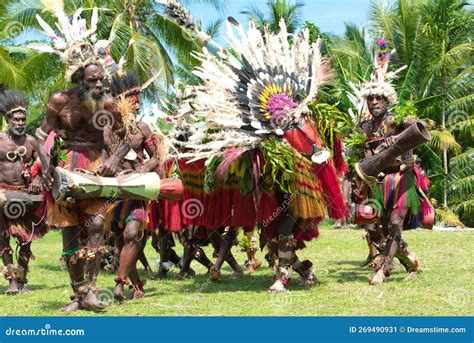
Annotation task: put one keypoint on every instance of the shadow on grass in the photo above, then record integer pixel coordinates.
(32, 287)
(52, 268)
(357, 263)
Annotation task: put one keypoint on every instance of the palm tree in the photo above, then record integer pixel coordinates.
(151, 41)
(432, 38)
(287, 10)
(161, 46)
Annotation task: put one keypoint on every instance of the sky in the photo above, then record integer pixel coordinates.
(328, 15)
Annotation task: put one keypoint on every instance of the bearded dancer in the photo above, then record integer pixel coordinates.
(72, 136)
(18, 218)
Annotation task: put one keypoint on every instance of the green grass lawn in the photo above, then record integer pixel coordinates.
(444, 288)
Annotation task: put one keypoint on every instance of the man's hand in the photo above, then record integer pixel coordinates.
(36, 186)
(48, 179)
(389, 141)
(408, 164)
(109, 168)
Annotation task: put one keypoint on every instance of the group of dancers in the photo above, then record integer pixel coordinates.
(245, 154)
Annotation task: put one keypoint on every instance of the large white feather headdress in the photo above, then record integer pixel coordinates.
(259, 87)
(75, 43)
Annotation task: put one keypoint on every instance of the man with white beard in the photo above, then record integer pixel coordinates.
(76, 118)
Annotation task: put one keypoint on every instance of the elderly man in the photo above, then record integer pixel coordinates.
(17, 156)
(76, 119)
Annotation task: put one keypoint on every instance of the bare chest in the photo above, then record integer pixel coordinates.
(12, 152)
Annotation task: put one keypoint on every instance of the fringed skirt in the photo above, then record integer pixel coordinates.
(67, 214)
(195, 209)
(306, 199)
(166, 213)
(125, 211)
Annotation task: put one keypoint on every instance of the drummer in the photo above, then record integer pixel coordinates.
(129, 220)
(17, 156)
(72, 136)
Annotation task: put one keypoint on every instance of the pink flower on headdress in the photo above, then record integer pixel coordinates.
(382, 43)
(169, 119)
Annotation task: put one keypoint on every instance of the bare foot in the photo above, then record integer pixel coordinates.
(91, 302)
(214, 274)
(253, 266)
(378, 278)
(237, 275)
(182, 275)
(118, 293)
(161, 275)
(72, 307)
(277, 287)
(23, 289)
(309, 279)
(137, 294)
(13, 289)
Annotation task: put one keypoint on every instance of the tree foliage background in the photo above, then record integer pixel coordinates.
(433, 38)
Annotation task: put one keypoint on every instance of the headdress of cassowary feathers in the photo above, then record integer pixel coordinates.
(75, 43)
(259, 93)
(12, 101)
(125, 84)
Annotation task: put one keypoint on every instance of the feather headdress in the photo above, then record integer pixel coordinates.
(379, 83)
(257, 93)
(75, 43)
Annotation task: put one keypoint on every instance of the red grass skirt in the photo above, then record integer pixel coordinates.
(166, 213)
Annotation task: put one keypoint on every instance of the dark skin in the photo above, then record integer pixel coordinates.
(11, 174)
(391, 222)
(67, 112)
(132, 242)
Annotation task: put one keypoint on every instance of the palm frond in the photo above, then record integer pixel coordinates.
(462, 161)
(214, 27)
(465, 210)
(445, 216)
(443, 140)
(178, 39)
(12, 75)
(381, 18)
